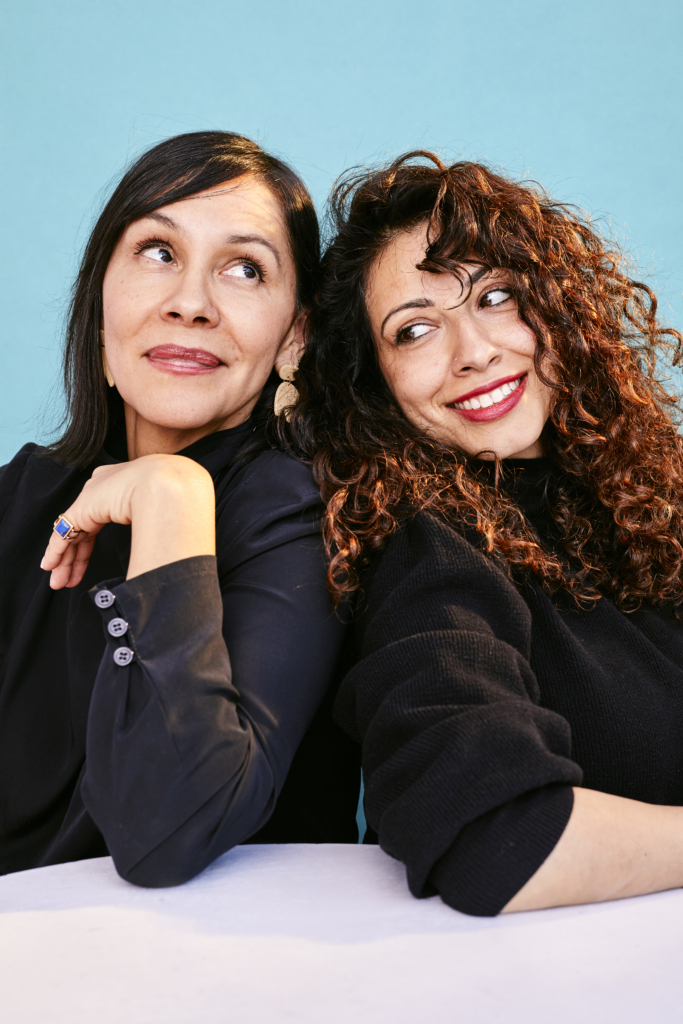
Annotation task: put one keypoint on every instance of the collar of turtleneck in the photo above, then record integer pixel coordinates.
(524, 480)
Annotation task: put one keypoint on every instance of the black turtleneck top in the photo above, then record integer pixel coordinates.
(219, 728)
(480, 704)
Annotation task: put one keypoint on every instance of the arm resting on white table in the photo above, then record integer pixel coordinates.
(611, 848)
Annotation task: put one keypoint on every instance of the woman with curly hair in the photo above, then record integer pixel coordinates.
(504, 483)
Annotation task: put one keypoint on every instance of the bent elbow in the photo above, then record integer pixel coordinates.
(160, 869)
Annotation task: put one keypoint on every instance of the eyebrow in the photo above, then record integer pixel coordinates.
(256, 240)
(232, 240)
(163, 219)
(412, 304)
(424, 303)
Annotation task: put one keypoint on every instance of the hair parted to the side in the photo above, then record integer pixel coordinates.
(616, 488)
(175, 169)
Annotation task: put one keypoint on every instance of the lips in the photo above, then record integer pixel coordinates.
(491, 401)
(180, 360)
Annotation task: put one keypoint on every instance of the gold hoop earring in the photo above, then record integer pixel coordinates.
(105, 364)
(286, 395)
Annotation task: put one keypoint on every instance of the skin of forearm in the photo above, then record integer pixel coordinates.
(173, 516)
(611, 848)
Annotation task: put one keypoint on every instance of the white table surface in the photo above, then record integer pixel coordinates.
(321, 934)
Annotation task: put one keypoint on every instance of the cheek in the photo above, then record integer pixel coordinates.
(520, 339)
(126, 307)
(413, 378)
(251, 334)
(544, 397)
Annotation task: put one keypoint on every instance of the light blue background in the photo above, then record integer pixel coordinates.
(584, 96)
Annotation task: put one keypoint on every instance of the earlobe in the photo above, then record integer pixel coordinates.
(286, 364)
(105, 364)
(294, 343)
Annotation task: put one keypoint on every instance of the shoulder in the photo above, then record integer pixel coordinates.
(428, 547)
(439, 578)
(32, 476)
(273, 500)
(273, 480)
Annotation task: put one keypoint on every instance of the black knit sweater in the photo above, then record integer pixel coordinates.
(480, 704)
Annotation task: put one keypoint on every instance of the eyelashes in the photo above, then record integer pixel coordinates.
(151, 243)
(255, 265)
(411, 333)
(500, 289)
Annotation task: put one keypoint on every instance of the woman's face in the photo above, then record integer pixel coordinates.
(199, 305)
(460, 367)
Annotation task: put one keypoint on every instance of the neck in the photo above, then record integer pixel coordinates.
(534, 451)
(145, 438)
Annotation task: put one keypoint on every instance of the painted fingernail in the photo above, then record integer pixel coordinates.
(42, 562)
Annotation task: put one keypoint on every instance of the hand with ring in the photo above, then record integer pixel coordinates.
(162, 493)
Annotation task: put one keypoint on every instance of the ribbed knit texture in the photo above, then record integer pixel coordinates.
(480, 705)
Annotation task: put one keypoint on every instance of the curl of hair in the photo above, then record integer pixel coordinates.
(616, 488)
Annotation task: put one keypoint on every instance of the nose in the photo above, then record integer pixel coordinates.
(473, 349)
(191, 302)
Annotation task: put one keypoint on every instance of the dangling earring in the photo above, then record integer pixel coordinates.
(105, 364)
(286, 395)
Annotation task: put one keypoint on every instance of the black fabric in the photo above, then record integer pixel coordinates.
(189, 746)
(480, 704)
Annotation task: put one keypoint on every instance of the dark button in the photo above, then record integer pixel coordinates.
(104, 599)
(117, 627)
(123, 656)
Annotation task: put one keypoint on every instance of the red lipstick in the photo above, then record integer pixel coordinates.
(498, 408)
(183, 361)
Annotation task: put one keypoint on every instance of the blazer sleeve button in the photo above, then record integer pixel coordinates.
(123, 656)
(104, 599)
(117, 627)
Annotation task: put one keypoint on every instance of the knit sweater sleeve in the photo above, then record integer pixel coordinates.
(467, 778)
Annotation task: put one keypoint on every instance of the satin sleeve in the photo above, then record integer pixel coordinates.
(190, 742)
(468, 780)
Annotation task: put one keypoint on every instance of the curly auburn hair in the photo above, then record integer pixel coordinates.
(615, 491)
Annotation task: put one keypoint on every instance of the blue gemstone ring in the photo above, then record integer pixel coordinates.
(66, 530)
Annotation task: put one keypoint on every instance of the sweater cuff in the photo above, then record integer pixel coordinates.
(495, 855)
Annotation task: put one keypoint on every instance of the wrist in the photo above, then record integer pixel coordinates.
(168, 484)
(173, 512)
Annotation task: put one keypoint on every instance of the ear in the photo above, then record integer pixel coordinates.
(293, 344)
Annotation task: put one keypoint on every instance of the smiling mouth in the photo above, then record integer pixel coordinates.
(489, 398)
(482, 406)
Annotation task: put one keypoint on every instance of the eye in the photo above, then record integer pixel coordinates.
(412, 332)
(159, 254)
(495, 297)
(248, 271)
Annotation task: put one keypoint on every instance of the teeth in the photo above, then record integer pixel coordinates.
(491, 398)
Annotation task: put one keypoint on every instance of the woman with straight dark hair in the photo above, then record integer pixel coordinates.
(167, 664)
(503, 472)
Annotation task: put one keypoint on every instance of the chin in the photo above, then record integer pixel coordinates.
(179, 419)
(522, 448)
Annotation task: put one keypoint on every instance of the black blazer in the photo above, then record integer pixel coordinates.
(171, 759)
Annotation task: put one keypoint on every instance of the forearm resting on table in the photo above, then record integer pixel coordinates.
(611, 848)
(173, 517)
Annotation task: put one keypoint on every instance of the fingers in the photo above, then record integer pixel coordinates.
(80, 562)
(106, 497)
(67, 560)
